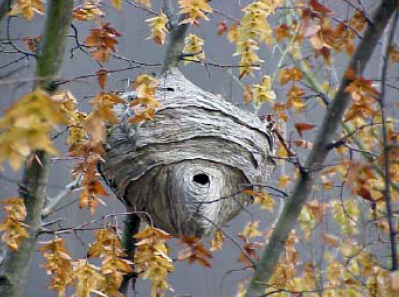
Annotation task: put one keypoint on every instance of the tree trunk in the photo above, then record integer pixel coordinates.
(35, 176)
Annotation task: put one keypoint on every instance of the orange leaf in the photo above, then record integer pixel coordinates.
(222, 27)
(102, 77)
(319, 7)
(330, 239)
(300, 127)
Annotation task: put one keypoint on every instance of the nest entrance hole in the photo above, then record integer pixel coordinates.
(201, 178)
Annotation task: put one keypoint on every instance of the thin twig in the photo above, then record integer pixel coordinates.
(387, 147)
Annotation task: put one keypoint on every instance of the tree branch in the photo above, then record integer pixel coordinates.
(319, 152)
(387, 147)
(176, 39)
(35, 176)
(5, 7)
(132, 226)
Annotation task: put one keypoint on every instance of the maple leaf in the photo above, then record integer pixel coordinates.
(27, 8)
(158, 28)
(194, 10)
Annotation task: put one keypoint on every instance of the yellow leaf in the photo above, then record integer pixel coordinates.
(217, 241)
(27, 8)
(146, 3)
(251, 230)
(89, 11)
(88, 278)
(263, 92)
(194, 46)
(283, 181)
(194, 10)
(158, 28)
(117, 4)
(27, 125)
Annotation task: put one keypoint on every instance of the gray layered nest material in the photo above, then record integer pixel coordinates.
(187, 168)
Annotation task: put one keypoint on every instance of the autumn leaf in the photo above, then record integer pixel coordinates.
(194, 47)
(146, 3)
(289, 74)
(317, 6)
(194, 11)
(12, 226)
(195, 251)
(158, 28)
(303, 143)
(283, 181)
(262, 198)
(27, 8)
(145, 104)
(102, 77)
(300, 127)
(330, 240)
(263, 92)
(222, 28)
(103, 39)
(151, 258)
(217, 241)
(295, 100)
(250, 230)
(88, 277)
(57, 264)
(251, 251)
(117, 4)
(26, 127)
(88, 11)
(232, 36)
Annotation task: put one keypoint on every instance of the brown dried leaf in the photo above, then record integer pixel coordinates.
(102, 77)
(300, 127)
